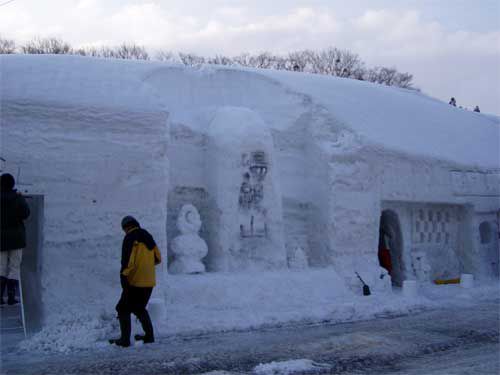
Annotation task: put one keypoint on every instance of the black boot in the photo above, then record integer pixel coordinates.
(3, 285)
(147, 326)
(125, 328)
(11, 292)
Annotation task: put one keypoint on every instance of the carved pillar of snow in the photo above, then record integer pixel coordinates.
(246, 220)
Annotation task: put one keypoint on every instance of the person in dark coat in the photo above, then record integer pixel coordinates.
(14, 210)
(140, 255)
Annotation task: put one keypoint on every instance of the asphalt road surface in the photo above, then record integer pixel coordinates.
(446, 341)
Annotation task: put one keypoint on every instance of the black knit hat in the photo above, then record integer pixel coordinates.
(7, 181)
(129, 221)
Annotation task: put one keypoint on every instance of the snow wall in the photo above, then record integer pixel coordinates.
(95, 145)
(101, 139)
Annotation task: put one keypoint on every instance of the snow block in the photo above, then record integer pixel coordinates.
(246, 227)
(410, 288)
(467, 281)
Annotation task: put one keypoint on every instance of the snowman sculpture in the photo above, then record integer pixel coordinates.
(189, 248)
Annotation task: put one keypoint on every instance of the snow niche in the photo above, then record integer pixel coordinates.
(296, 258)
(189, 248)
(245, 227)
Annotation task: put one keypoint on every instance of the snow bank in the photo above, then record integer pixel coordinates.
(72, 81)
(270, 300)
(392, 118)
(296, 366)
(403, 120)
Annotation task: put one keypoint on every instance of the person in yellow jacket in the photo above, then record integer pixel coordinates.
(140, 255)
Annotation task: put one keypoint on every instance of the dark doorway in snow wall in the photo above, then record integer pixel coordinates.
(390, 246)
(31, 266)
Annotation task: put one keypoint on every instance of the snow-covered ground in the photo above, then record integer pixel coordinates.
(294, 366)
(298, 300)
(455, 338)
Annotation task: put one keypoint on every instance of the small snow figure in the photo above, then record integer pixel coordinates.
(453, 102)
(476, 109)
(296, 258)
(188, 249)
(137, 276)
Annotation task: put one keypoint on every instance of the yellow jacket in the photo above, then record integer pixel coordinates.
(139, 257)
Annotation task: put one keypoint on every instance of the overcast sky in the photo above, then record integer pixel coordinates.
(452, 47)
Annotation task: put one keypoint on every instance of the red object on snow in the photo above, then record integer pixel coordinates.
(384, 258)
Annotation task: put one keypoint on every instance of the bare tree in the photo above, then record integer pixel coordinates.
(245, 59)
(7, 46)
(190, 59)
(295, 61)
(330, 61)
(263, 60)
(389, 77)
(125, 51)
(130, 52)
(46, 46)
(166, 56)
(345, 64)
(220, 60)
(404, 80)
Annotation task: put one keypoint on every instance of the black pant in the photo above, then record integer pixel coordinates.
(134, 301)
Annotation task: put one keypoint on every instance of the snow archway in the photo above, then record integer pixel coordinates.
(389, 223)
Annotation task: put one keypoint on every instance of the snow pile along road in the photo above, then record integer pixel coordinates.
(296, 366)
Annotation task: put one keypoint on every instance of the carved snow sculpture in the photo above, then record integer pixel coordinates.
(246, 223)
(189, 248)
(252, 212)
(421, 267)
(296, 258)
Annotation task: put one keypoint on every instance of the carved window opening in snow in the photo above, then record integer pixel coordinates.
(252, 212)
(485, 233)
(431, 226)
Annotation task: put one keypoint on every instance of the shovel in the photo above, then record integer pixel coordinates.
(366, 288)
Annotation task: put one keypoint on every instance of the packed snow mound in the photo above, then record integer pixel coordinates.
(250, 126)
(75, 81)
(296, 366)
(403, 120)
(392, 118)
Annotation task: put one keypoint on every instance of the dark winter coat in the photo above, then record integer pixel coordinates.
(14, 210)
(139, 257)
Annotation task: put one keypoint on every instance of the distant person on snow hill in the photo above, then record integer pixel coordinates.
(453, 102)
(137, 276)
(14, 210)
(476, 109)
